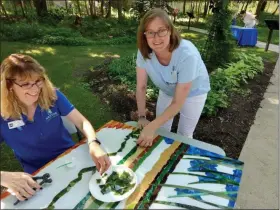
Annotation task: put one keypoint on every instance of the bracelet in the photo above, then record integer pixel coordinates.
(94, 140)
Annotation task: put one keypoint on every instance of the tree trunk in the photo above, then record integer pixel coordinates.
(242, 8)
(109, 9)
(79, 8)
(273, 13)
(66, 5)
(15, 7)
(259, 6)
(30, 4)
(94, 9)
(248, 2)
(3, 9)
(22, 8)
(86, 8)
(206, 8)
(263, 6)
(90, 7)
(198, 10)
(120, 9)
(24, 2)
(102, 8)
(184, 7)
(41, 7)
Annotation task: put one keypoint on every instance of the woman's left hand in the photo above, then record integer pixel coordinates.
(146, 136)
(99, 157)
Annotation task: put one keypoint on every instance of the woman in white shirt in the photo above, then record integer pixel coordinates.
(249, 19)
(175, 66)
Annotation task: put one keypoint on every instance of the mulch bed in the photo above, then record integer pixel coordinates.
(228, 129)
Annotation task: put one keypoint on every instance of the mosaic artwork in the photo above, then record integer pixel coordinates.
(170, 174)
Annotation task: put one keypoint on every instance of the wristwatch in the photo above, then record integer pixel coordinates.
(94, 140)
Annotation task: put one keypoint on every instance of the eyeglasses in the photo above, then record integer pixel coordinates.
(26, 86)
(160, 33)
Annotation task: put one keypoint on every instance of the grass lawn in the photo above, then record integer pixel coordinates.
(263, 35)
(63, 64)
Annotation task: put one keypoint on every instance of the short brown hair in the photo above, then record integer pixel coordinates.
(24, 67)
(142, 43)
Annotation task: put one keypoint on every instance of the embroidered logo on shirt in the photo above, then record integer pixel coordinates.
(173, 76)
(49, 111)
(51, 115)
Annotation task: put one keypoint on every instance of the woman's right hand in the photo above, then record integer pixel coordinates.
(19, 184)
(142, 122)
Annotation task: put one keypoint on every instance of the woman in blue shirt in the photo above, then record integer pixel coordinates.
(175, 66)
(31, 124)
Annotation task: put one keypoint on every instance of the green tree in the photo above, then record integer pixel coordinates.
(102, 8)
(79, 8)
(3, 10)
(92, 8)
(140, 7)
(259, 7)
(206, 6)
(41, 7)
(120, 7)
(219, 44)
(109, 9)
(22, 8)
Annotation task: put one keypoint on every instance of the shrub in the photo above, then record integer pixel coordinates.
(65, 32)
(53, 17)
(224, 81)
(115, 41)
(250, 59)
(102, 28)
(20, 31)
(60, 40)
(219, 44)
(42, 34)
(124, 71)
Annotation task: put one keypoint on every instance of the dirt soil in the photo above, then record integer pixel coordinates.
(228, 129)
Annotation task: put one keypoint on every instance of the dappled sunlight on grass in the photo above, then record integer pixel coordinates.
(115, 56)
(33, 52)
(103, 55)
(49, 50)
(190, 35)
(66, 86)
(94, 55)
(39, 51)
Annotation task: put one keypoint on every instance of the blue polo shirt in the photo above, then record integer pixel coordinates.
(38, 142)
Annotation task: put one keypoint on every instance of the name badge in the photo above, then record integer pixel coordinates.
(15, 124)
